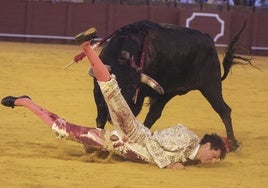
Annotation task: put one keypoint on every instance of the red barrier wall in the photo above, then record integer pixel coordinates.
(22, 20)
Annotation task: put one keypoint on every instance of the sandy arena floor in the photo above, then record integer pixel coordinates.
(31, 156)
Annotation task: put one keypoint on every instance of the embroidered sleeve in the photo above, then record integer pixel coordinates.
(157, 153)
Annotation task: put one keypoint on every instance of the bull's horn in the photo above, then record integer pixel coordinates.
(152, 83)
(90, 71)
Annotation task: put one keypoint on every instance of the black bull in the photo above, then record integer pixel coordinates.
(179, 59)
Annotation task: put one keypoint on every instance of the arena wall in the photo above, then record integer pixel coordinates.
(44, 21)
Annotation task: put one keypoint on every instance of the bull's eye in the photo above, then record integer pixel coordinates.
(125, 55)
(124, 58)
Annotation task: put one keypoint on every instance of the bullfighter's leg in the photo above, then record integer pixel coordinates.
(91, 137)
(122, 117)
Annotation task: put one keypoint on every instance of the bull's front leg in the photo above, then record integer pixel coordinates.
(102, 116)
(156, 107)
(102, 110)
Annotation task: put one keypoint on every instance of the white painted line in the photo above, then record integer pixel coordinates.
(72, 38)
(35, 36)
(259, 48)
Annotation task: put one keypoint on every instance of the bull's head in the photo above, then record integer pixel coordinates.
(124, 62)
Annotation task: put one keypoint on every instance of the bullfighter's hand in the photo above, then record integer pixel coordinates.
(175, 166)
(79, 57)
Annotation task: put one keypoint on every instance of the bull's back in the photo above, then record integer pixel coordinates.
(181, 55)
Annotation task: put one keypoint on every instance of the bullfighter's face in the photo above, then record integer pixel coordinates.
(208, 155)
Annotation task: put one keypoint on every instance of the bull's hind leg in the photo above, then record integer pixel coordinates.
(214, 96)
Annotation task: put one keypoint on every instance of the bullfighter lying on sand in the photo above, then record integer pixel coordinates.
(173, 147)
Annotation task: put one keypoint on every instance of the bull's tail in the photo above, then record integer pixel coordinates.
(229, 59)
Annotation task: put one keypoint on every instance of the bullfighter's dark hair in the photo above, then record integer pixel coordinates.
(216, 143)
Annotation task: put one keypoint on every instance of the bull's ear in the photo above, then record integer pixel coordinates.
(90, 71)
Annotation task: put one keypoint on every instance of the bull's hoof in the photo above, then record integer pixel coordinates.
(103, 154)
(100, 125)
(89, 150)
(233, 145)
